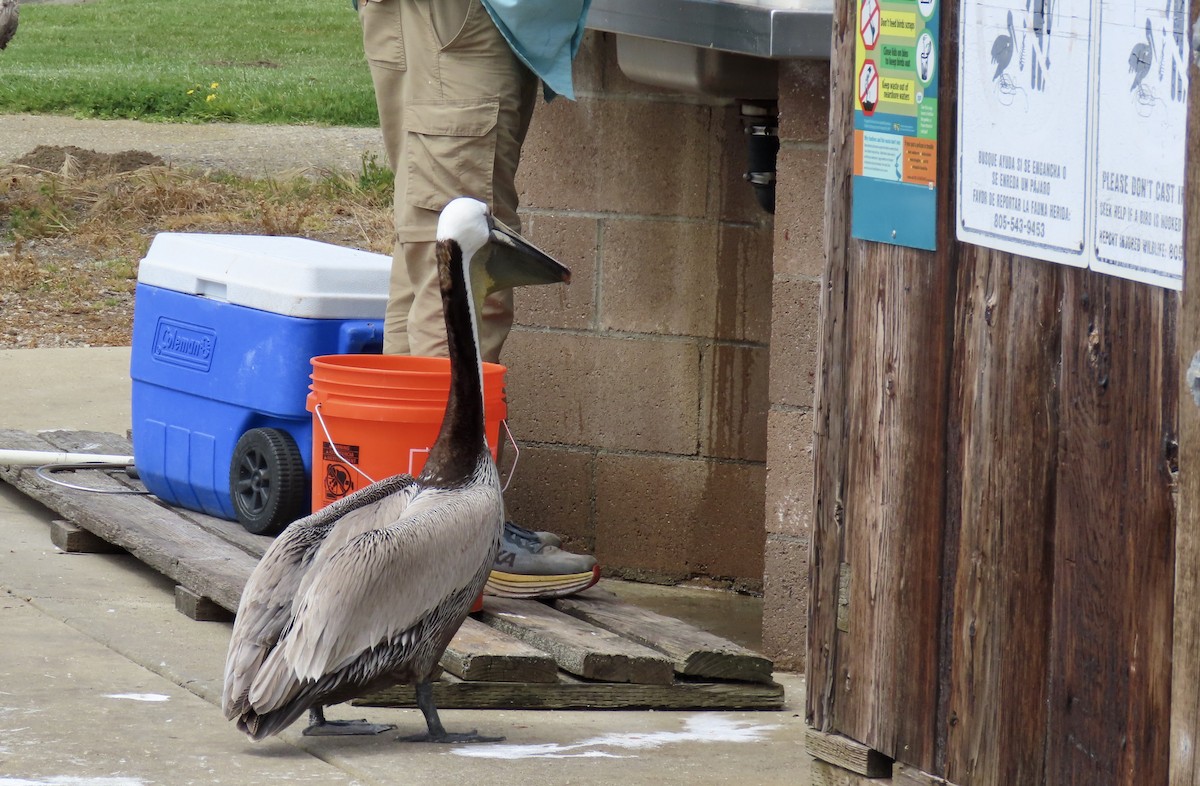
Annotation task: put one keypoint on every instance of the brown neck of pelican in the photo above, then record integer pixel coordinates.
(455, 454)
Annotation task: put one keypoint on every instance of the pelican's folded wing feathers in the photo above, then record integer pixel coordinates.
(267, 601)
(348, 603)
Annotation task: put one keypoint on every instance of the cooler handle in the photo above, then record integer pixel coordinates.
(361, 338)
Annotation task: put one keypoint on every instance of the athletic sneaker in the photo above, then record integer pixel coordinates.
(546, 538)
(531, 565)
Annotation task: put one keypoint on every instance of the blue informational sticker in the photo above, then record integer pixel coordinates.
(895, 122)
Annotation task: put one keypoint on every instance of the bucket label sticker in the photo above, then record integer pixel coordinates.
(340, 452)
(339, 481)
(184, 344)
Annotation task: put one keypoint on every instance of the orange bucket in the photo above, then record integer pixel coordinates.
(377, 415)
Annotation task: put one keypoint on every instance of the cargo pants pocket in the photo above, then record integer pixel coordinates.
(383, 34)
(451, 150)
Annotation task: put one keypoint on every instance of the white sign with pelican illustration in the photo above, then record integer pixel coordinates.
(1071, 132)
(1140, 144)
(1023, 126)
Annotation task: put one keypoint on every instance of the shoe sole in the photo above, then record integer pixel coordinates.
(517, 585)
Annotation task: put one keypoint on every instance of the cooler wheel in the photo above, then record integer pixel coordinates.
(267, 480)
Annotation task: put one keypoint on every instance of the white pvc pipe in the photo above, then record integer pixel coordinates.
(38, 458)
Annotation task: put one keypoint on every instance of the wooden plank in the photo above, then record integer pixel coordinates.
(1185, 675)
(848, 754)
(826, 774)
(911, 776)
(573, 694)
(142, 526)
(103, 442)
(1110, 665)
(198, 607)
(893, 490)
(231, 532)
(826, 554)
(73, 540)
(894, 497)
(880, 460)
(1004, 446)
(577, 647)
(479, 652)
(98, 441)
(694, 652)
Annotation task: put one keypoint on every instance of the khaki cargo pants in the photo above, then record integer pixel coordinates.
(454, 106)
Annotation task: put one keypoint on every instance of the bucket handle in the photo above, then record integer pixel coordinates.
(333, 447)
(512, 470)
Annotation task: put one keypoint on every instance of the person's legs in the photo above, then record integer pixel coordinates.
(387, 54)
(454, 105)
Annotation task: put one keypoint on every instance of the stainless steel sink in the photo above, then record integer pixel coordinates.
(686, 67)
(715, 47)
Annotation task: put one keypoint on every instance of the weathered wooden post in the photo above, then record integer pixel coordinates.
(1185, 680)
(993, 592)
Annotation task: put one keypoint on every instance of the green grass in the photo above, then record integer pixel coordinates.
(298, 61)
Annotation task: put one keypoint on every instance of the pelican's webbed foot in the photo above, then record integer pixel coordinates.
(453, 738)
(319, 727)
(436, 732)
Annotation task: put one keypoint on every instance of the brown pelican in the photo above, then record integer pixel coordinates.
(369, 591)
(1002, 49)
(9, 11)
(1141, 57)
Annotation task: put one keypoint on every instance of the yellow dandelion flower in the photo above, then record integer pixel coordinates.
(215, 85)
(210, 97)
(191, 91)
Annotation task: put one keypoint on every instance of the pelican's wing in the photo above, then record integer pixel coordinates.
(265, 608)
(376, 587)
(998, 47)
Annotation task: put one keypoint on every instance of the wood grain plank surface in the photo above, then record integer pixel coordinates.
(880, 465)
(141, 525)
(577, 647)
(1004, 444)
(1185, 675)
(573, 694)
(693, 652)
(1110, 666)
(480, 652)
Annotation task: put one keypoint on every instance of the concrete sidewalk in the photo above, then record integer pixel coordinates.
(103, 682)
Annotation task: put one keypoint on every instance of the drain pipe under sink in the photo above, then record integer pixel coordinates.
(760, 122)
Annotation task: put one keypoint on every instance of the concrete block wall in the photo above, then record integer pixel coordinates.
(640, 392)
(798, 261)
(665, 399)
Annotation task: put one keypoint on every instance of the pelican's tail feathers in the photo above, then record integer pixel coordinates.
(241, 666)
(258, 727)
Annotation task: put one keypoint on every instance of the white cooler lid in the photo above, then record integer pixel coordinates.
(292, 276)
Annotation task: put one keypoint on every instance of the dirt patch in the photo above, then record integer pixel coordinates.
(71, 161)
(74, 224)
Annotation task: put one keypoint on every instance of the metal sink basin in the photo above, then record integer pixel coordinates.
(686, 67)
(713, 46)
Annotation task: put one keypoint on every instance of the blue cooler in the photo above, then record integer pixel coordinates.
(224, 329)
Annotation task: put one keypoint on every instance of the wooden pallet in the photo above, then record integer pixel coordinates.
(587, 651)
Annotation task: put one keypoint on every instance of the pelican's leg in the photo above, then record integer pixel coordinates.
(319, 727)
(436, 732)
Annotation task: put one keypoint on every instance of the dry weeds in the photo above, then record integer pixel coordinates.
(75, 223)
